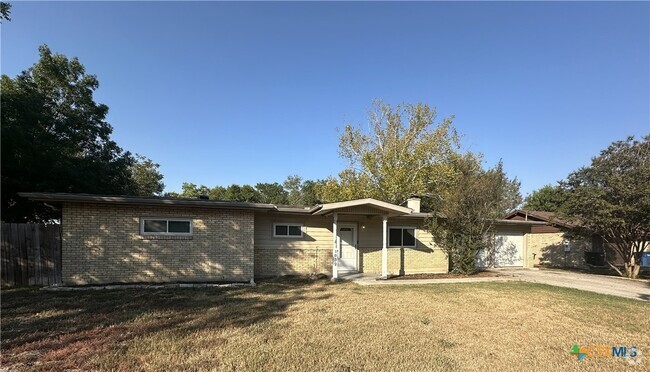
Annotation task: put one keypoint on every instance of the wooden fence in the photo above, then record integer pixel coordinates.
(31, 254)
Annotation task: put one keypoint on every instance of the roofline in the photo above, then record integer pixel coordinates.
(297, 210)
(535, 215)
(518, 222)
(331, 207)
(142, 200)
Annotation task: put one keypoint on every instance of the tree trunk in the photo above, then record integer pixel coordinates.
(614, 267)
(632, 270)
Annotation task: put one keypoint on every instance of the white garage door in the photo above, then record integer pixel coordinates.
(509, 250)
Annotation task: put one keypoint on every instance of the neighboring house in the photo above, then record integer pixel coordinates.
(120, 239)
(548, 243)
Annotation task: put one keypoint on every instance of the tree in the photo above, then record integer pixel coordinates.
(467, 212)
(5, 11)
(191, 191)
(217, 193)
(548, 198)
(402, 153)
(272, 193)
(146, 178)
(249, 194)
(233, 192)
(310, 192)
(611, 198)
(293, 185)
(55, 138)
(294, 191)
(303, 192)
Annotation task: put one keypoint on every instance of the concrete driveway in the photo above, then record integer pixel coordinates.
(636, 289)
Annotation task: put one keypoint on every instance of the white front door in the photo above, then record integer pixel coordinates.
(347, 247)
(509, 250)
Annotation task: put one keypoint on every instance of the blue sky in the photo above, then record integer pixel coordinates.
(221, 93)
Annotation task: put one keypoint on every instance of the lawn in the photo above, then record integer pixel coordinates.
(316, 325)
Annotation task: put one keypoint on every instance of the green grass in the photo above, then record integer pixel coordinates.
(317, 325)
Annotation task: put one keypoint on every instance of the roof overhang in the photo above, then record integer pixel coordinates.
(346, 207)
(297, 210)
(140, 200)
(520, 222)
(549, 220)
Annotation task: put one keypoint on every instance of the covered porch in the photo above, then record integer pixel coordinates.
(361, 227)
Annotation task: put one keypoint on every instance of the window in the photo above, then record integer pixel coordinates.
(401, 237)
(165, 226)
(287, 230)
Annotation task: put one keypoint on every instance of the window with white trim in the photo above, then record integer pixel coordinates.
(165, 226)
(287, 230)
(401, 236)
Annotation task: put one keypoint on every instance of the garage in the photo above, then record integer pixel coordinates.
(508, 251)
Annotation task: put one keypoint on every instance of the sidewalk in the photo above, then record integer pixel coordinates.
(371, 279)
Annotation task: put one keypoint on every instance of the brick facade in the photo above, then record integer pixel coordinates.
(548, 250)
(102, 244)
(404, 261)
(271, 262)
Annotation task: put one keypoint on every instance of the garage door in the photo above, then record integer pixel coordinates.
(509, 250)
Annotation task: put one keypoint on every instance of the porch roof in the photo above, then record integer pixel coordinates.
(364, 206)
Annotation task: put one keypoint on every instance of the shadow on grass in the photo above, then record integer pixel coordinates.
(59, 323)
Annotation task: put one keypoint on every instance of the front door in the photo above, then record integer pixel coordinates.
(348, 247)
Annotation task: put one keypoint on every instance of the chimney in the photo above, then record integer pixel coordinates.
(414, 203)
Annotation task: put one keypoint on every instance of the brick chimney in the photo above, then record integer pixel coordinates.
(414, 203)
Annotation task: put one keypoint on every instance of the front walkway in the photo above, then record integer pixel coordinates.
(621, 287)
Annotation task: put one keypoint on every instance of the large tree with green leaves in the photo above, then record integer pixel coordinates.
(5, 11)
(55, 138)
(548, 198)
(467, 213)
(611, 198)
(403, 151)
(272, 193)
(147, 180)
(293, 191)
(303, 192)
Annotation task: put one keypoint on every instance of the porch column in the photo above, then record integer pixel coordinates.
(335, 250)
(384, 249)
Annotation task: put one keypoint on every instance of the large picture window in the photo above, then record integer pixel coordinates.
(401, 236)
(287, 230)
(165, 226)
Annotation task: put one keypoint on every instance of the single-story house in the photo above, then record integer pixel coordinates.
(125, 239)
(549, 244)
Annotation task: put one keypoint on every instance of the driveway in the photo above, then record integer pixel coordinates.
(636, 289)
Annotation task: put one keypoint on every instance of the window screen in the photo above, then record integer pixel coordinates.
(401, 237)
(155, 226)
(395, 237)
(165, 226)
(284, 230)
(179, 227)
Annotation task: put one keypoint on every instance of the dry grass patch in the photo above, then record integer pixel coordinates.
(317, 325)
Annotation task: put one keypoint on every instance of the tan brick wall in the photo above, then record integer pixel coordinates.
(309, 254)
(404, 261)
(548, 250)
(102, 244)
(313, 252)
(285, 261)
